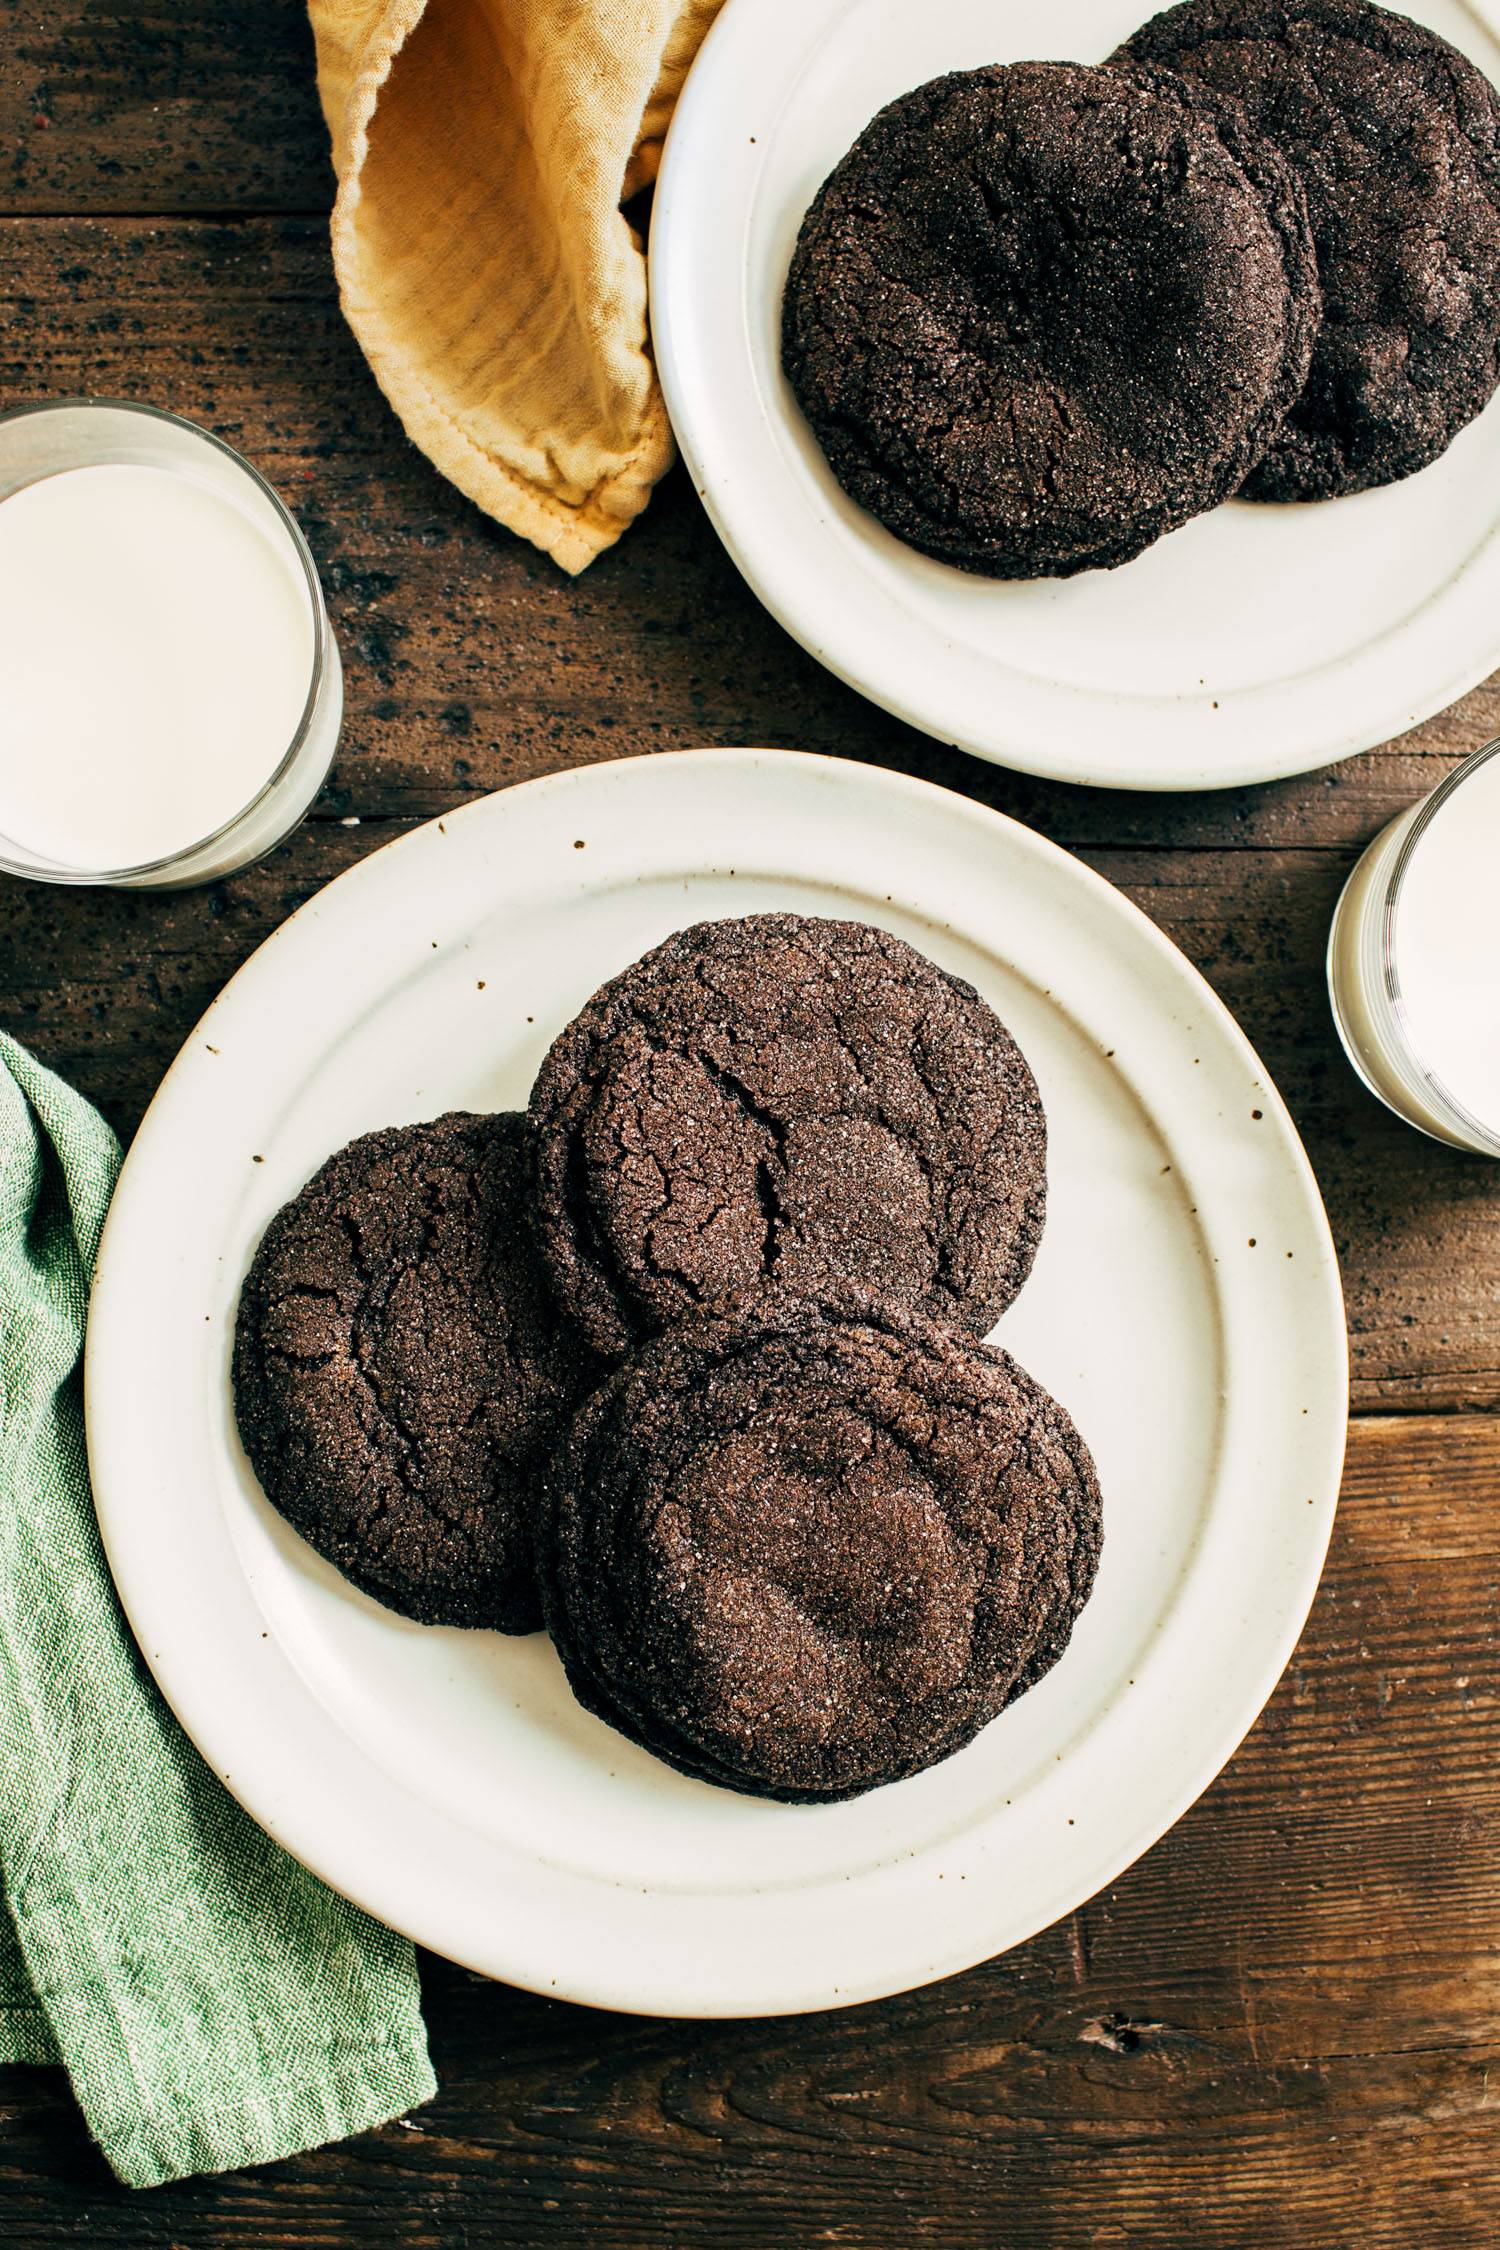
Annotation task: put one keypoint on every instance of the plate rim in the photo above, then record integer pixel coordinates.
(1077, 715)
(141, 1597)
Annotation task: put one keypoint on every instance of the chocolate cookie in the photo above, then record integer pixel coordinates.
(1397, 140)
(803, 1549)
(401, 1374)
(787, 1098)
(1042, 314)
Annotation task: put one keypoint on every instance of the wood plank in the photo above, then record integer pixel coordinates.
(148, 105)
(471, 660)
(1279, 2027)
(106, 985)
(1417, 1225)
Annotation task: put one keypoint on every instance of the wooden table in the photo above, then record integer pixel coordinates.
(1280, 2026)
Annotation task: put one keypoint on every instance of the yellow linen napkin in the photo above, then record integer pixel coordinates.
(483, 149)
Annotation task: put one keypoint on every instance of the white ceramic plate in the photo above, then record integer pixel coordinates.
(1185, 1307)
(1253, 643)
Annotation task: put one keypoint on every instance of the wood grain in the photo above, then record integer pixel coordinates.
(471, 663)
(1279, 2027)
(105, 985)
(471, 660)
(150, 105)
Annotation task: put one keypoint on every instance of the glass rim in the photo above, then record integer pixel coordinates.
(145, 870)
(1487, 1136)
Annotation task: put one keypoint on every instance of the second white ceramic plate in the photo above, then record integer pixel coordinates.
(1253, 643)
(1185, 1307)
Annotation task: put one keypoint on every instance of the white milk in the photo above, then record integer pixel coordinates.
(156, 651)
(1446, 944)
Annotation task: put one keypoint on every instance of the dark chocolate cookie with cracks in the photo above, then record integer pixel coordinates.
(401, 1372)
(1396, 137)
(790, 1099)
(802, 1550)
(1042, 314)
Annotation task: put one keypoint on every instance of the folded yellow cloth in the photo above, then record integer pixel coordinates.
(483, 149)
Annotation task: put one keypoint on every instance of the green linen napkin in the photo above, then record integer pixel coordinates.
(214, 2004)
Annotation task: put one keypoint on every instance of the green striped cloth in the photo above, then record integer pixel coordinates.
(212, 2002)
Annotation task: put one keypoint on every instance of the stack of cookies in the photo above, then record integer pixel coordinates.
(686, 1363)
(1043, 313)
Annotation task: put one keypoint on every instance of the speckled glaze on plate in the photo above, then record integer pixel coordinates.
(1253, 643)
(1185, 1308)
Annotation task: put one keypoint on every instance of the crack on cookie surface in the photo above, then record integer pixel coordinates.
(791, 1097)
(805, 1549)
(400, 1370)
(1396, 138)
(1041, 314)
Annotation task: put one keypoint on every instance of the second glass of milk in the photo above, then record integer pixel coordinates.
(170, 689)
(1414, 960)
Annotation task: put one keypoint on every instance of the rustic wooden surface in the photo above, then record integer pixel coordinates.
(1279, 2027)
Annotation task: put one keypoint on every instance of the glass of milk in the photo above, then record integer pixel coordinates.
(170, 689)
(1414, 960)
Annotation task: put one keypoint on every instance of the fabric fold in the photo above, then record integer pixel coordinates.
(483, 149)
(213, 2003)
